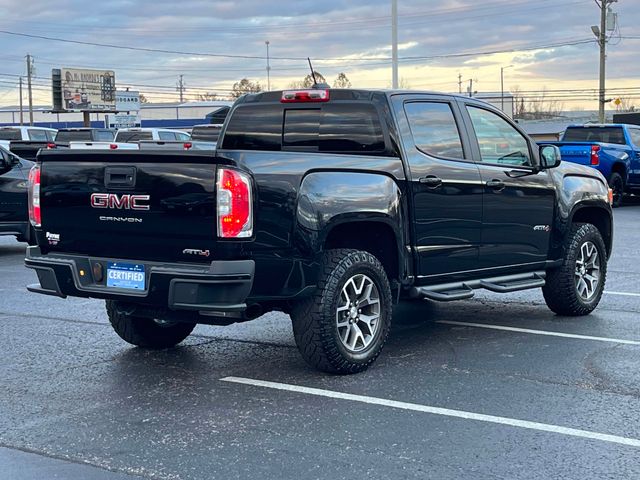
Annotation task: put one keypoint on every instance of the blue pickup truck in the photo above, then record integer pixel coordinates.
(613, 149)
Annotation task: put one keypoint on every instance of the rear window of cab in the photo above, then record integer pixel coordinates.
(348, 128)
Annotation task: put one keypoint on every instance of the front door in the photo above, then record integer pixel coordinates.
(13, 192)
(518, 203)
(445, 186)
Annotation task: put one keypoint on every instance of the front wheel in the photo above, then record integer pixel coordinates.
(344, 325)
(146, 332)
(576, 287)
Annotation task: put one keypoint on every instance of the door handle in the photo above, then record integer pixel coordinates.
(496, 184)
(431, 181)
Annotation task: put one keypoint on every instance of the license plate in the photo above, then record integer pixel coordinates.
(125, 275)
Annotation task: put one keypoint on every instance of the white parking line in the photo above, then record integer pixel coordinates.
(543, 427)
(539, 332)
(624, 294)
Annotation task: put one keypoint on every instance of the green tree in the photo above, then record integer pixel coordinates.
(244, 86)
(342, 81)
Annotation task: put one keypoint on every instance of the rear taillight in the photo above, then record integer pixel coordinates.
(51, 146)
(303, 96)
(235, 210)
(113, 146)
(595, 154)
(34, 196)
(187, 145)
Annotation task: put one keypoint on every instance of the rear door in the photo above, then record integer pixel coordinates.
(445, 186)
(518, 202)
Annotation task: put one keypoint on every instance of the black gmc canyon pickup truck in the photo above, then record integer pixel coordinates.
(329, 205)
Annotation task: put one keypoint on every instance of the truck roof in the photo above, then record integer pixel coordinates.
(350, 94)
(603, 125)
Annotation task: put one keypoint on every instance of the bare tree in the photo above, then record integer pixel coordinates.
(342, 81)
(626, 105)
(244, 86)
(537, 106)
(143, 98)
(207, 97)
(307, 82)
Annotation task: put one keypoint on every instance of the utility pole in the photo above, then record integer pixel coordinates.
(21, 116)
(268, 68)
(460, 83)
(181, 88)
(601, 34)
(29, 74)
(394, 44)
(471, 87)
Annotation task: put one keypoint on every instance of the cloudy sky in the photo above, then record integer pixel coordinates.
(214, 43)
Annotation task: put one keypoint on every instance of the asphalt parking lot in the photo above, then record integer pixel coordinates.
(495, 387)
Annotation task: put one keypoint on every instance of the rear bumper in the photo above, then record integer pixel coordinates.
(14, 228)
(220, 286)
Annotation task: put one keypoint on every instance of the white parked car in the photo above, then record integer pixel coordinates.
(26, 133)
(129, 135)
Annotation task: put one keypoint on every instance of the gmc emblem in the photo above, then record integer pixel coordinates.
(121, 202)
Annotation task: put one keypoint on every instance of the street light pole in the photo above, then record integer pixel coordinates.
(268, 67)
(394, 44)
(502, 69)
(601, 34)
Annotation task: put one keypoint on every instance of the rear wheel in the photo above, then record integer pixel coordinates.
(616, 183)
(576, 287)
(146, 332)
(344, 325)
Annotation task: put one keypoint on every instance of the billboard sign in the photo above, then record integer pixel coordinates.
(127, 101)
(87, 90)
(122, 120)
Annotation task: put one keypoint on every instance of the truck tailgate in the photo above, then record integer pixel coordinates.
(128, 204)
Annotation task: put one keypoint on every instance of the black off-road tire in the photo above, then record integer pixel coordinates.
(616, 183)
(314, 318)
(561, 291)
(145, 332)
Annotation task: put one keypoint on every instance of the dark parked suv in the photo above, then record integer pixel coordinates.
(330, 205)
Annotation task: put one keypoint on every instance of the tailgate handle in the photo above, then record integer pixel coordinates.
(120, 177)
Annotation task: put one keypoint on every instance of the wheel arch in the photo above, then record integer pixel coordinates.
(598, 216)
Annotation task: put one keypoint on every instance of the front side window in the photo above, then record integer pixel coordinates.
(500, 143)
(166, 136)
(182, 137)
(434, 129)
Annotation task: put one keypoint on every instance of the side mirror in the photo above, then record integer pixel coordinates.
(550, 157)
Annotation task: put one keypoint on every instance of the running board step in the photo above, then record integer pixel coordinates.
(448, 292)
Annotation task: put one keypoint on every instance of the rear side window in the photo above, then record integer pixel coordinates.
(133, 136)
(595, 134)
(434, 129)
(10, 134)
(331, 128)
(634, 133)
(205, 134)
(38, 135)
(104, 136)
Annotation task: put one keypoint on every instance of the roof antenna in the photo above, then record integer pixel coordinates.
(315, 80)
